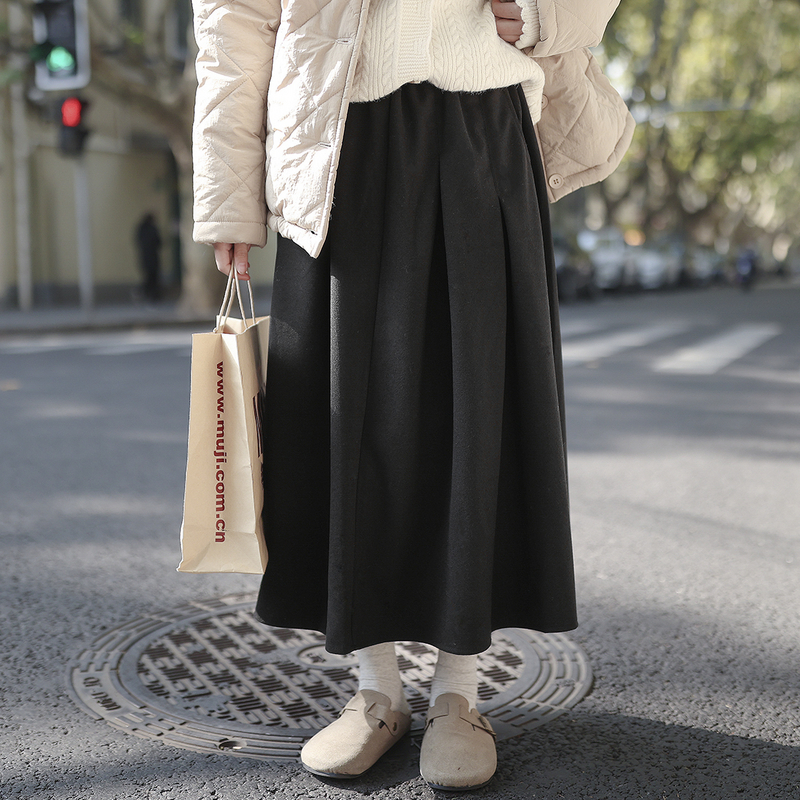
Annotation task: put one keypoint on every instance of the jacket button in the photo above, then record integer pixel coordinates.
(556, 181)
(545, 101)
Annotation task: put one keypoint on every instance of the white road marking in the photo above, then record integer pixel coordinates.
(578, 327)
(597, 347)
(711, 355)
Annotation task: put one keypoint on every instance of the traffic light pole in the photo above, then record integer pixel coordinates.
(63, 63)
(22, 205)
(83, 230)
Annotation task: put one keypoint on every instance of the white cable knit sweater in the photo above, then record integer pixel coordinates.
(453, 44)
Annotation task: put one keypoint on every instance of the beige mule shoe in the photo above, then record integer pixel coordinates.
(366, 728)
(458, 751)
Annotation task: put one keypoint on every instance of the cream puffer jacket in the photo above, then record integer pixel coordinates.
(274, 84)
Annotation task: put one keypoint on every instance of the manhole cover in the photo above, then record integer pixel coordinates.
(207, 677)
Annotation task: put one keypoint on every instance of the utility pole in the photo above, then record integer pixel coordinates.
(21, 155)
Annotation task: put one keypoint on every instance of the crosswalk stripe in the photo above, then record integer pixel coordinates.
(578, 327)
(591, 349)
(711, 355)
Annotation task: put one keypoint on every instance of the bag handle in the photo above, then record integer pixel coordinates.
(228, 298)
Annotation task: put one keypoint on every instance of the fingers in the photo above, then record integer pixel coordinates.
(228, 255)
(508, 19)
(223, 255)
(506, 9)
(240, 261)
(508, 30)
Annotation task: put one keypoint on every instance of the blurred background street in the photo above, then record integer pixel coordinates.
(684, 437)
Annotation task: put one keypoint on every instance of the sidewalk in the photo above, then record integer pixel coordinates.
(122, 316)
(68, 319)
(119, 316)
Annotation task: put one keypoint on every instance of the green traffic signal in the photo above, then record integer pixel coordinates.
(62, 49)
(60, 59)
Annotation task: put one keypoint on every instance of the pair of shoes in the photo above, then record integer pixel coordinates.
(366, 728)
(458, 751)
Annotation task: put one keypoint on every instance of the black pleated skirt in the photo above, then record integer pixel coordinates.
(415, 469)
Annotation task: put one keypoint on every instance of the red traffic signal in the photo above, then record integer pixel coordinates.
(72, 134)
(72, 112)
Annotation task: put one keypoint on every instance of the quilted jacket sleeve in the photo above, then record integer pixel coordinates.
(236, 41)
(552, 27)
(585, 127)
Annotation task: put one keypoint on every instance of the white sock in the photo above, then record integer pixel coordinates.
(378, 670)
(457, 674)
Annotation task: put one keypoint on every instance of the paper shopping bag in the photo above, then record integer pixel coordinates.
(222, 528)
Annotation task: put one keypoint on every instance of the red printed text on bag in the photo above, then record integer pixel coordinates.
(220, 456)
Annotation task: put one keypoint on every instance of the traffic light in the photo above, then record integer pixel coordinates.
(61, 33)
(73, 133)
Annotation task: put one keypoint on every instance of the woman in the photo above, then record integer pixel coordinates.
(415, 469)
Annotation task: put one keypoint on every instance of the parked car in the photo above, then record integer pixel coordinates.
(574, 271)
(610, 257)
(657, 264)
(704, 266)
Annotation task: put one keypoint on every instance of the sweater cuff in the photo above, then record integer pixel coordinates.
(530, 24)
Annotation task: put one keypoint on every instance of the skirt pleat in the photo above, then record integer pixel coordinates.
(415, 467)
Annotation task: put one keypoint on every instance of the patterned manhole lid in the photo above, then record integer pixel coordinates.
(207, 677)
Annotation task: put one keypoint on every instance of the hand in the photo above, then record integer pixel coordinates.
(508, 19)
(227, 255)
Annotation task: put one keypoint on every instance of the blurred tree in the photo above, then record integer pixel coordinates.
(715, 87)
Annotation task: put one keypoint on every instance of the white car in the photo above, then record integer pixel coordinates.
(656, 266)
(611, 258)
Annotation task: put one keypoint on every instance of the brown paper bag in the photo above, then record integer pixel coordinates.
(222, 528)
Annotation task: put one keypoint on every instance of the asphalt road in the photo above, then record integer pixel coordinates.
(684, 433)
